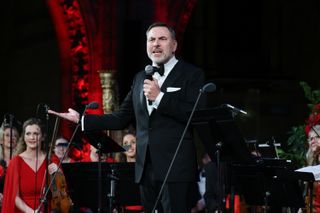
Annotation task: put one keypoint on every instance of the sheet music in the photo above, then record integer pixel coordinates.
(315, 170)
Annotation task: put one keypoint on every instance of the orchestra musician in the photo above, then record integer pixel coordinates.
(312, 159)
(9, 136)
(26, 173)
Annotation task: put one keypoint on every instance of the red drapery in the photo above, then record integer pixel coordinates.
(176, 13)
(86, 34)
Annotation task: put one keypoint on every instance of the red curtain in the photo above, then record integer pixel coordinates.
(86, 34)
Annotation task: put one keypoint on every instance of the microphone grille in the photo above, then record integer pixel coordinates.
(149, 70)
(93, 105)
(209, 87)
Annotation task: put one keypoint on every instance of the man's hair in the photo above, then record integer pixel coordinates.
(162, 24)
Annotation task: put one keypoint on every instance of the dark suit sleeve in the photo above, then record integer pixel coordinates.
(119, 119)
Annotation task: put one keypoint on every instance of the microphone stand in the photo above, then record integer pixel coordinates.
(54, 175)
(275, 147)
(177, 150)
(219, 177)
(113, 182)
(47, 186)
(99, 176)
(11, 130)
(44, 199)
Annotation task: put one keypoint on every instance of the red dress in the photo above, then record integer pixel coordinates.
(20, 177)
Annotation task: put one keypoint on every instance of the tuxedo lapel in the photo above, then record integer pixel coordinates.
(173, 76)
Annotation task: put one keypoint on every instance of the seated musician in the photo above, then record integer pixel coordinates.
(94, 156)
(61, 145)
(8, 144)
(129, 143)
(198, 193)
(313, 158)
(26, 173)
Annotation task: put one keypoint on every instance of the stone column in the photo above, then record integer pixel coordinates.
(110, 99)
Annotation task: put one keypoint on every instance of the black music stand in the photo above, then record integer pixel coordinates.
(104, 145)
(270, 186)
(215, 126)
(101, 141)
(82, 178)
(223, 141)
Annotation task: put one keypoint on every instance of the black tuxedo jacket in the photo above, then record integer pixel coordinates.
(162, 130)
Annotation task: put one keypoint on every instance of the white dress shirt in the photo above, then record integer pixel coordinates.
(167, 69)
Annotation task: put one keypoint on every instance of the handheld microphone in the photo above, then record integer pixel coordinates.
(235, 109)
(209, 87)
(92, 105)
(149, 72)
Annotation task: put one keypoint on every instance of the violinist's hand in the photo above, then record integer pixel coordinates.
(71, 115)
(52, 168)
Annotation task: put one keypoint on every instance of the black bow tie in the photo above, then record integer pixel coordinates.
(159, 70)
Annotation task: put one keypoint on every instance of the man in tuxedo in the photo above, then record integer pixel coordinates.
(161, 108)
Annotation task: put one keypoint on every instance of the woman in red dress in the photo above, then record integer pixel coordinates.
(26, 174)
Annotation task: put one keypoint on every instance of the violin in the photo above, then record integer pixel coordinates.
(60, 200)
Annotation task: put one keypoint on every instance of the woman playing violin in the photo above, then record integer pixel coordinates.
(26, 174)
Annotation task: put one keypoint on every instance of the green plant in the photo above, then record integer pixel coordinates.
(296, 149)
(296, 143)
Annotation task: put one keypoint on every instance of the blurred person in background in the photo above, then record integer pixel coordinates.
(60, 149)
(9, 136)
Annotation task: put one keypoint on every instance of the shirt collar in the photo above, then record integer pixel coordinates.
(169, 65)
